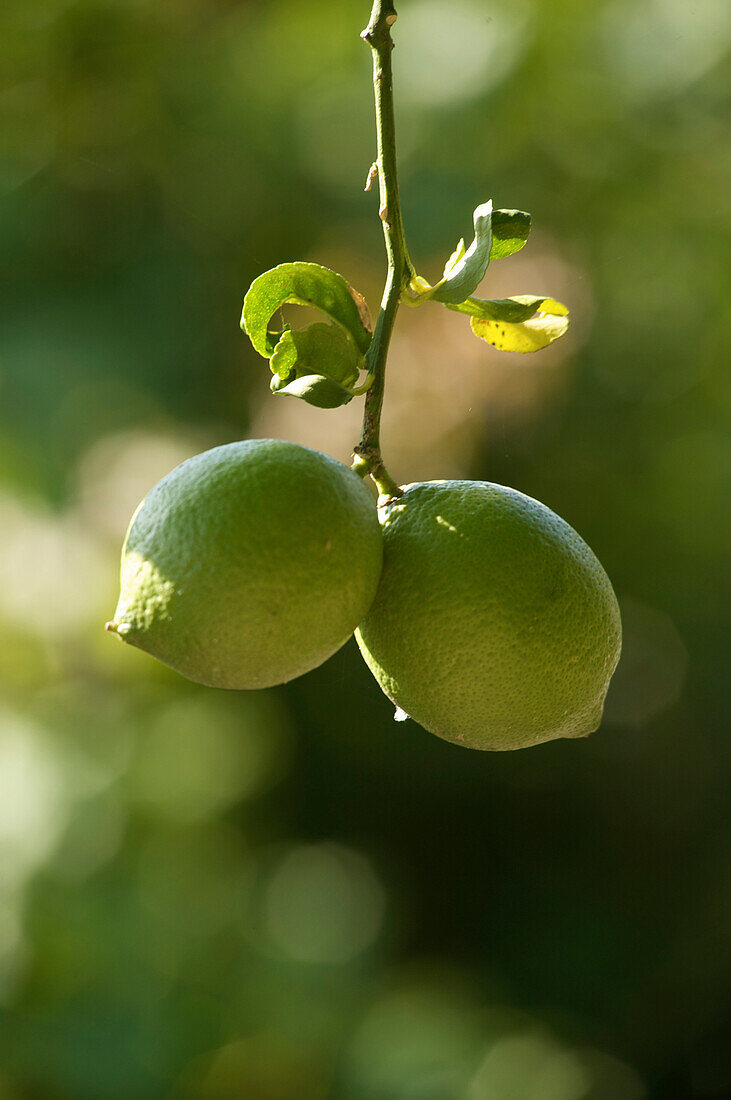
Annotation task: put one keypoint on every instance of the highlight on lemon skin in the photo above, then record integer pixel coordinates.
(249, 564)
(494, 625)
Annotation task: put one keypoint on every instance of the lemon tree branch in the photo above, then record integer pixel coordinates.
(368, 452)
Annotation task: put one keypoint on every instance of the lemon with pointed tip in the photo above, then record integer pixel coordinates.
(494, 625)
(249, 564)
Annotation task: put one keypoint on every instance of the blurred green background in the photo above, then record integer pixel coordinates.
(208, 895)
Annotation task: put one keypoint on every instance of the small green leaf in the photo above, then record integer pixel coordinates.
(315, 389)
(501, 323)
(320, 363)
(498, 233)
(303, 284)
(510, 229)
(319, 349)
(466, 269)
(513, 310)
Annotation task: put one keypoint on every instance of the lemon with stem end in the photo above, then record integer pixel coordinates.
(249, 564)
(494, 625)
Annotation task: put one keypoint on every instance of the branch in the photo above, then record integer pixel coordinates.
(368, 452)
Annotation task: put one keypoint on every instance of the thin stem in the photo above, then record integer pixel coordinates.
(368, 452)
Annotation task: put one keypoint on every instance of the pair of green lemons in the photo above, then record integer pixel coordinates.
(481, 613)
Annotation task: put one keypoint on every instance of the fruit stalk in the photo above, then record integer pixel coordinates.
(368, 451)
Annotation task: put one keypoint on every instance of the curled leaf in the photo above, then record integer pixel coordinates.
(513, 310)
(315, 389)
(466, 268)
(320, 363)
(510, 229)
(319, 349)
(524, 323)
(303, 284)
(498, 233)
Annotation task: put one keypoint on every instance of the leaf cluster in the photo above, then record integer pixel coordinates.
(526, 322)
(326, 363)
(321, 363)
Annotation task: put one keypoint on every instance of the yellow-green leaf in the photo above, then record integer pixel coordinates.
(514, 310)
(535, 333)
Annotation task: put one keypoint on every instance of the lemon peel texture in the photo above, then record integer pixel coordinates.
(249, 564)
(494, 625)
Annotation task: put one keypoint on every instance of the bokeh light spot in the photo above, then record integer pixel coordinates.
(448, 56)
(204, 753)
(323, 904)
(530, 1066)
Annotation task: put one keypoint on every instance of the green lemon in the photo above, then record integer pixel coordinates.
(494, 625)
(249, 564)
